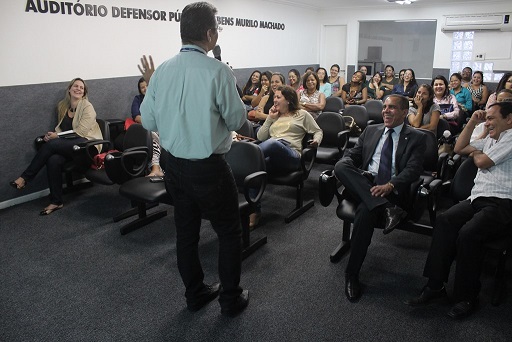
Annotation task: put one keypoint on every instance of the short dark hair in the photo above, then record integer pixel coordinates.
(403, 102)
(389, 66)
(305, 79)
(337, 66)
(196, 19)
(291, 96)
(505, 108)
(457, 75)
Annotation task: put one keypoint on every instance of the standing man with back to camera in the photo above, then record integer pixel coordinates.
(192, 102)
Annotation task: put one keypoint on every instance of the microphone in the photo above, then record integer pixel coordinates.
(447, 138)
(216, 52)
(447, 134)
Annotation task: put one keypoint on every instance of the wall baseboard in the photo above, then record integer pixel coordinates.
(33, 196)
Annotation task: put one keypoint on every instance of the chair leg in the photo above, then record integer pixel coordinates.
(500, 287)
(344, 246)
(300, 207)
(133, 211)
(143, 218)
(249, 248)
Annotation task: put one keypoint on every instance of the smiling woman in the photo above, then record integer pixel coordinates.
(75, 113)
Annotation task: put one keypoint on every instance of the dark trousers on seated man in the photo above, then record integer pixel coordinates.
(370, 211)
(460, 234)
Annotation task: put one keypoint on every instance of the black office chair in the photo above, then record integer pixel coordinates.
(248, 165)
(119, 166)
(333, 104)
(361, 118)
(374, 109)
(335, 138)
(330, 187)
(460, 189)
(296, 179)
(77, 167)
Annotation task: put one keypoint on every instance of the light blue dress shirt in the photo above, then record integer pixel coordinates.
(192, 102)
(373, 167)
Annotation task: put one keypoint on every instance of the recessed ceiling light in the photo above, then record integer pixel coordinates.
(402, 2)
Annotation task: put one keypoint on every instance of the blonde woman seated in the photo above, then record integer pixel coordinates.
(283, 132)
(424, 113)
(311, 99)
(75, 113)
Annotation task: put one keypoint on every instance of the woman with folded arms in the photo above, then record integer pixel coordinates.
(424, 113)
(355, 93)
(75, 113)
(478, 90)
(310, 98)
(462, 95)
(325, 86)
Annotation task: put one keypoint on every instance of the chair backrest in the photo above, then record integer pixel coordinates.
(359, 114)
(331, 124)
(333, 104)
(246, 130)
(431, 156)
(244, 158)
(463, 181)
(105, 132)
(374, 109)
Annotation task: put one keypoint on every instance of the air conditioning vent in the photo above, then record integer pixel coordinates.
(496, 21)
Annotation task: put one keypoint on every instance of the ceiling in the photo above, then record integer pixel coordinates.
(325, 4)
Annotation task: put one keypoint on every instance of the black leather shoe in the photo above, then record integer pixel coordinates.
(209, 293)
(463, 309)
(326, 187)
(240, 304)
(426, 297)
(393, 216)
(352, 288)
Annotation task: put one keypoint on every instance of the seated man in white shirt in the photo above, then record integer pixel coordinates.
(461, 231)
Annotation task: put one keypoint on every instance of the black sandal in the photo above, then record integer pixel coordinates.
(16, 186)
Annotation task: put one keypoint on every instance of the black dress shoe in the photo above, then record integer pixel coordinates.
(352, 287)
(239, 305)
(463, 309)
(393, 216)
(209, 293)
(326, 187)
(427, 296)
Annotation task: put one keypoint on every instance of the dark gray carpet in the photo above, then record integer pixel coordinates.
(72, 277)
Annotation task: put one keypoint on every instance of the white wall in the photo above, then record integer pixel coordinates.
(484, 41)
(44, 47)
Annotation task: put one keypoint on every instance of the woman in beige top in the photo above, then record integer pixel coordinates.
(76, 114)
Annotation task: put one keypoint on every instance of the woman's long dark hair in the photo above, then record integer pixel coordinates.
(248, 85)
(430, 100)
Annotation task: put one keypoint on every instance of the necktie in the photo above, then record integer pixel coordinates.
(386, 160)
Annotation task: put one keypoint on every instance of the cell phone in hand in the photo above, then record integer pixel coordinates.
(156, 179)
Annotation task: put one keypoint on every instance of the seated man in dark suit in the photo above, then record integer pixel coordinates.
(461, 231)
(377, 173)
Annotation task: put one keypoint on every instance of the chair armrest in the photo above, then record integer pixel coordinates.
(343, 140)
(307, 159)
(83, 153)
(256, 180)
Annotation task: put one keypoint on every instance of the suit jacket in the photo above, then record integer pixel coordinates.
(408, 157)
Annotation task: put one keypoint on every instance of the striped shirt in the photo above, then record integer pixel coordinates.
(495, 181)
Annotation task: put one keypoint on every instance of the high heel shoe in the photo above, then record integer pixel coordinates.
(16, 185)
(48, 211)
